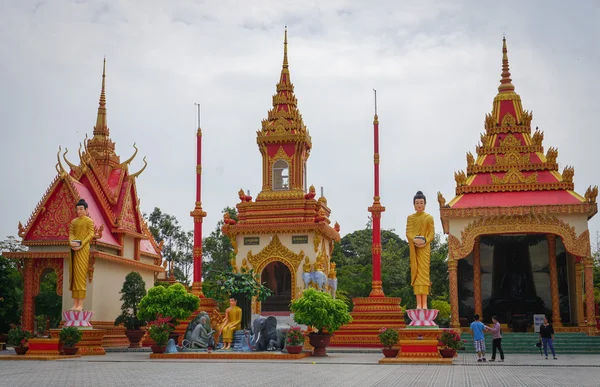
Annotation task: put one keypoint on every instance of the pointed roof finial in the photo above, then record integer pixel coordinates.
(101, 127)
(506, 85)
(285, 58)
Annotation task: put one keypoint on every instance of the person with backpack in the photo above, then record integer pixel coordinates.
(496, 339)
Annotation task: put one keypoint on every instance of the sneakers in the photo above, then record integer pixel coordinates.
(484, 359)
(546, 357)
(491, 360)
(501, 361)
(479, 360)
(555, 358)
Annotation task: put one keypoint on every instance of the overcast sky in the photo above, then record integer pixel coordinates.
(435, 64)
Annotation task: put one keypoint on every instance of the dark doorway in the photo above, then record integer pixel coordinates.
(277, 277)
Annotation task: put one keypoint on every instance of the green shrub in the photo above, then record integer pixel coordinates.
(132, 292)
(70, 336)
(173, 301)
(319, 310)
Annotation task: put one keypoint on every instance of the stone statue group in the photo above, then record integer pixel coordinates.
(315, 277)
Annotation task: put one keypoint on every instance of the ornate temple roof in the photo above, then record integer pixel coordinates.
(511, 168)
(106, 185)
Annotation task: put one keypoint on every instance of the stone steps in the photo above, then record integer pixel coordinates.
(567, 343)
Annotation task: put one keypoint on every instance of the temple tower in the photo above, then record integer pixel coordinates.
(286, 230)
(518, 236)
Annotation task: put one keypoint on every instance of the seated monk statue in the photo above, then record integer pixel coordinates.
(231, 323)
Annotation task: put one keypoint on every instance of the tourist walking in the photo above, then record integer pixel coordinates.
(496, 331)
(477, 327)
(547, 336)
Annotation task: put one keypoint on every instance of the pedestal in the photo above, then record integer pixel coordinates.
(91, 341)
(79, 319)
(422, 318)
(238, 337)
(369, 315)
(42, 347)
(418, 345)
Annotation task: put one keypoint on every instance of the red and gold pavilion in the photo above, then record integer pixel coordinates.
(286, 228)
(123, 242)
(518, 233)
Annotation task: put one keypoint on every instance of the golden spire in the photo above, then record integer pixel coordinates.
(506, 85)
(285, 58)
(101, 127)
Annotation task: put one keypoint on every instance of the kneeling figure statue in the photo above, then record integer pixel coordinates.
(199, 333)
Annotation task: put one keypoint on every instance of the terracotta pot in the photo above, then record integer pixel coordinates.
(294, 349)
(158, 348)
(320, 343)
(70, 350)
(448, 352)
(390, 352)
(20, 350)
(135, 336)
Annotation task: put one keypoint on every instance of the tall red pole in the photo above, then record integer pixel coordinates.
(376, 209)
(198, 216)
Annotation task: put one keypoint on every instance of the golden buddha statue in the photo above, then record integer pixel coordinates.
(81, 233)
(233, 266)
(332, 274)
(231, 323)
(420, 233)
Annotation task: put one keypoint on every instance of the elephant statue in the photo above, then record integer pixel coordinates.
(265, 334)
(199, 333)
(332, 283)
(306, 278)
(319, 278)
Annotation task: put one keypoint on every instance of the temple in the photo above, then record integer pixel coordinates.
(518, 234)
(123, 242)
(285, 232)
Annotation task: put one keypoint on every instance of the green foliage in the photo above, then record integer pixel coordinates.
(294, 337)
(320, 310)
(132, 292)
(17, 336)
(443, 307)
(160, 329)
(70, 336)
(388, 337)
(48, 302)
(11, 294)
(174, 302)
(450, 339)
(230, 284)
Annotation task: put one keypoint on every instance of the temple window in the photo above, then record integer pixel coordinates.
(280, 175)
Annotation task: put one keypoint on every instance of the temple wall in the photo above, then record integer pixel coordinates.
(128, 247)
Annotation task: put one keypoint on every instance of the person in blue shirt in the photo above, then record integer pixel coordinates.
(477, 327)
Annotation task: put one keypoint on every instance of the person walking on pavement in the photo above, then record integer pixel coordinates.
(477, 327)
(496, 339)
(547, 336)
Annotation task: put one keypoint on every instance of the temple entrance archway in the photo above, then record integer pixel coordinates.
(277, 277)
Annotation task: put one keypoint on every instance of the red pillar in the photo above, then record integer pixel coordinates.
(198, 214)
(376, 209)
(28, 291)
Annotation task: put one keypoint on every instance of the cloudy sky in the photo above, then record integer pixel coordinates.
(435, 64)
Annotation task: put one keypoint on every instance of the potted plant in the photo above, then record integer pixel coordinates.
(173, 301)
(241, 286)
(294, 340)
(450, 342)
(159, 331)
(319, 310)
(388, 338)
(17, 337)
(132, 292)
(69, 337)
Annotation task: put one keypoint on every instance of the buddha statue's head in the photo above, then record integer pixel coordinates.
(232, 302)
(81, 207)
(419, 201)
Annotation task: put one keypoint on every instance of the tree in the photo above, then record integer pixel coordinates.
(48, 304)
(11, 285)
(132, 292)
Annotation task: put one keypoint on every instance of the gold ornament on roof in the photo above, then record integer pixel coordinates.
(509, 120)
(514, 176)
(513, 158)
(441, 200)
(537, 137)
(485, 139)
(568, 173)
(526, 118)
(551, 155)
(470, 159)
(460, 177)
(490, 121)
(510, 141)
(591, 194)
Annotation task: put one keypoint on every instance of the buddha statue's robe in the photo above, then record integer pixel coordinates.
(233, 322)
(81, 228)
(420, 224)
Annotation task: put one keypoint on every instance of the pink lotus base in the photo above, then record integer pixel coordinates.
(422, 317)
(79, 319)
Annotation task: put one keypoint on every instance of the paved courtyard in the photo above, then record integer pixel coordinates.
(339, 369)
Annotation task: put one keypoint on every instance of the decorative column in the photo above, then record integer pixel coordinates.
(553, 280)
(28, 294)
(453, 277)
(589, 293)
(578, 291)
(477, 277)
(198, 214)
(376, 209)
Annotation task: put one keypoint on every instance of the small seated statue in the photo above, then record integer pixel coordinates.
(199, 334)
(231, 323)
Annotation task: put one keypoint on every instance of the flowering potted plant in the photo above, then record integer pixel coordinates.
(294, 340)
(159, 331)
(17, 337)
(450, 342)
(388, 338)
(69, 337)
